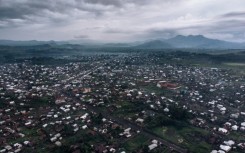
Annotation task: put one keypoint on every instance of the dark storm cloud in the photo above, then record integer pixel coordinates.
(118, 3)
(20, 9)
(111, 30)
(54, 12)
(119, 19)
(81, 36)
(105, 2)
(24, 9)
(234, 23)
(234, 14)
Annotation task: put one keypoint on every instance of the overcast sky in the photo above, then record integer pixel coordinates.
(121, 20)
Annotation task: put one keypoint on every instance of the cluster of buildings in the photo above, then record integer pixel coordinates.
(112, 97)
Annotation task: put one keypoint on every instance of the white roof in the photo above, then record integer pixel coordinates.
(229, 143)
(166, 110)
(242, 113)
(217, 151)
(225, 148)
(223, 109)
(243, 124)
(127, 130)
(152, 146)
(154, 141)
(234, 127)
(140, 120)
(84, 127)
(222, 130)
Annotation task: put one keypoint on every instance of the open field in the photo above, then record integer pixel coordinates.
(190, 137)
(136, 143)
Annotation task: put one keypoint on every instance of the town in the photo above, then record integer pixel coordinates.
(121, 102)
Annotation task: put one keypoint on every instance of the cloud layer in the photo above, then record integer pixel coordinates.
(121, 20)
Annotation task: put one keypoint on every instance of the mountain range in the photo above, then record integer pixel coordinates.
(191, 41)
(179, 41)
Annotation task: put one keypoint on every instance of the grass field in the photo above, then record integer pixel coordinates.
(136, 143)
(189, 137)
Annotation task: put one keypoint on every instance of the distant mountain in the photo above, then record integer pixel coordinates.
(154, 44)
(199, 41)
(192, 41)
(117, 45)
(180, 41)
(25, 43)
(189, 41)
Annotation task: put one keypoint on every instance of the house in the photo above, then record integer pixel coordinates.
(225, 148)
(140, 120)
(217, 151)
(152, 146)
(229, 143)
(166, 110)
(60, 100)
(241, 145)
(223, 131)
(234, 127)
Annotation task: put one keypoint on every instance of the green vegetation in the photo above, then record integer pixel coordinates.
(154, 89)
(128, 109)
(189, 137)
(37, 102)
(136, 143)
